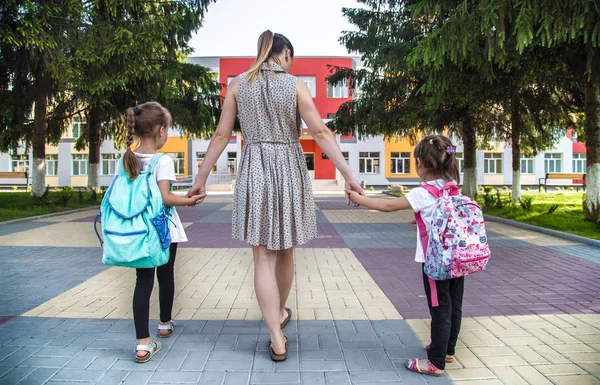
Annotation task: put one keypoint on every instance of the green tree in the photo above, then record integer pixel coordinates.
(566, 28)
(35, 71)
(131, 52)
(400, 96)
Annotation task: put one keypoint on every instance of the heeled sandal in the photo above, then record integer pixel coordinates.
(412, 364)
(278, 357)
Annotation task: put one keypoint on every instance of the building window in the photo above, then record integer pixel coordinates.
(400, 163)
(579, 163)
(179, 161)
(80, 164)
(20, 163)
(460, 158)
(526, 165)
(200, 159)
(346, 157)
(51, 165)
(109, 163)
(338, 90)
(311, 83)
(368, 163)
(552, 162)
(492, 163)
(77, 127)
(231, 163)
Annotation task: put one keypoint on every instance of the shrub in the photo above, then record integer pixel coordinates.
(504, 188)
(80, 194)
(499, 203)
(558, 188)
(488, 200)
(552, 208)
(396, 188)
(571, 188)
(372, 188)
(527, 189)
(14, 188)
(64, 196)
(488, 189)
(526, 203)
(43, 200)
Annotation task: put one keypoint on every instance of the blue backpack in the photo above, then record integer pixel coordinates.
(135, 222)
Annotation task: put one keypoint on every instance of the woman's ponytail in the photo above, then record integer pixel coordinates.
(265, 45)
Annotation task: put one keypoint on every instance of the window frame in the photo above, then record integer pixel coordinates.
(338, 91)
(79, 158)
(52, 161)
(493, 165)
(114, 160)
(580, 159)
(201, 159)
(21, 161)
(550, 159)
(369, 162)
(401, 161)
(529, 162)
(311, 83)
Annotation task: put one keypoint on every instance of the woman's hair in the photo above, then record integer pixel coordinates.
(438, 156)
(142, 121)
(269, 46)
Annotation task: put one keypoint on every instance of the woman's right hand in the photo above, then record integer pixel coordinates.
(352, 185)
(197, 190)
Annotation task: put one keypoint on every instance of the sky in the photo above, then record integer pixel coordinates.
(232, 27)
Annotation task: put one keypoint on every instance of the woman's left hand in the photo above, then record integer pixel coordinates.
(197, 189)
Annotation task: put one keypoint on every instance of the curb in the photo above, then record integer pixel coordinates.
(28, 219)
(543, 230)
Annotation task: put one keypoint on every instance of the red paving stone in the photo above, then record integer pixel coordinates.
(518, 281)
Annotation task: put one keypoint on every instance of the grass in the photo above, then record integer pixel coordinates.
(15, 205)
(567, 217)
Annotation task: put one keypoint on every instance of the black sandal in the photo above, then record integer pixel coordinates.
(278, 357)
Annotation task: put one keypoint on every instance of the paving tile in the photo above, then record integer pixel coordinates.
(15, 375)
(175, 377)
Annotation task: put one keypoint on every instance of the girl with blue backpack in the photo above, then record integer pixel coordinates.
(451, 243)
(142, 229)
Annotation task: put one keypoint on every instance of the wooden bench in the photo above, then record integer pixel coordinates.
(16, 178)
(563, 175)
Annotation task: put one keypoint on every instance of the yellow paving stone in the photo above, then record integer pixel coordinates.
(595, 346)
(556, 321)
(560, 369)
(487, 338)
(505, 322)
(532, 375)
(508, 376)
(562, 335)
(237, 314)
(593, 369)
(508, 333)
(469, 339)
(550, 354)
(530, 355)
(573, 348)
(479, 382)
(545, 337)
(583, 331)
(511, 360)
(589, 338)
(470, 374)
(485, 351)
(576, 322)
(576, 380)
(52, 235)
(467, 359)
(518, 341)
(419, 326)
(583, 357)
(363, 216)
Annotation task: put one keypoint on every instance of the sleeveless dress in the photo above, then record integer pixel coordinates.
(273, 201)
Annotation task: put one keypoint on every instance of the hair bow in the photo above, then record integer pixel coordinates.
(136, 110)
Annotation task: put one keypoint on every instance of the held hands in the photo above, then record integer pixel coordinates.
(196, 194)
(414, 224)
(353, 188)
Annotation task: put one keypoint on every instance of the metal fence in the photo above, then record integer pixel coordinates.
(219, 177)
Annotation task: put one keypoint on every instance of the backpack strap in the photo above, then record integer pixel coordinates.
(154, 162)
(437, 193)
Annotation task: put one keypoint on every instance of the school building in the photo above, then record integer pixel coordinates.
(376, 161)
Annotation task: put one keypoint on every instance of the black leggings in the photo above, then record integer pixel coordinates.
(143, 290)
(445, 318)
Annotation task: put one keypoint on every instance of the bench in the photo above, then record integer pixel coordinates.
(14, 178)
(564, 176)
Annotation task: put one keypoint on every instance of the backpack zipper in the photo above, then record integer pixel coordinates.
(137, 232)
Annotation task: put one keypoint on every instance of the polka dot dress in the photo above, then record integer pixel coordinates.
(273, 202)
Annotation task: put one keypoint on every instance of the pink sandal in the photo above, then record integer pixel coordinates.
(412, 364)
(449, 359)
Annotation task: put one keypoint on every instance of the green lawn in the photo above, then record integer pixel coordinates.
(14, 205)
(568, 217)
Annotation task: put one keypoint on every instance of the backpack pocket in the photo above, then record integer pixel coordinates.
(161, 224)
(121, 248)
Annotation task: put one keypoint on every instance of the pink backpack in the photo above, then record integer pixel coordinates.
(456, 243)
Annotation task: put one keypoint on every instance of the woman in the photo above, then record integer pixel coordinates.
(273, 207)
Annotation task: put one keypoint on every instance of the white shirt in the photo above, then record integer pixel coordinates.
(165, 170)
(423, 202)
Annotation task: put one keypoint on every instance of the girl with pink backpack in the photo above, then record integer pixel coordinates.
(451, 243)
